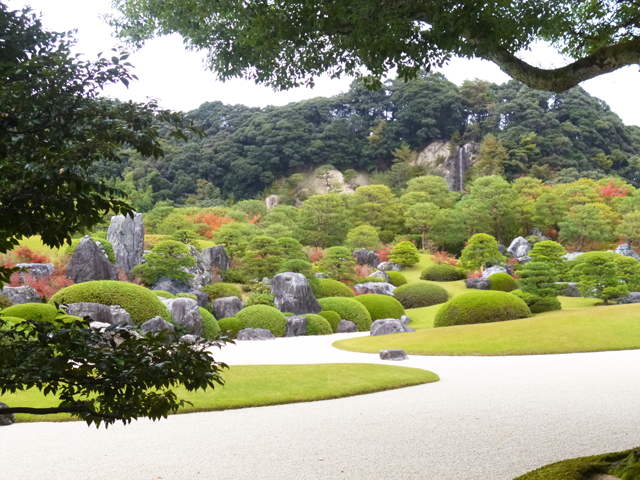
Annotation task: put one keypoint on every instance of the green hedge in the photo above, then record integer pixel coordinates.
(163, 294)
(232, 325)
(397, 279)
(220, 290)
(381, 306)
(108, 248)
(187, 295)
(333, 288)
(142, 304)
(38, 312)
(442, 273)
(503, 282)
(418, 295)
(210, 327)
(263, 316)
(348, 309)
(481, 307)
(317, 325)
(538, 304)
(332, 317)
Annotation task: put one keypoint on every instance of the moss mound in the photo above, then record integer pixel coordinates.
(481, 307)
(210, 327)
(333, 288)
(263, 316)
(220, 290)
(231, 325)
(332, 317)
(442, 273)
(317, 325)
(381, 306)
(37, 312)
(538, 304)
(142, 304)
(503, 282)
(611, 256)
(418, 295)
(397, 279)
(348, 309)
(163, 294)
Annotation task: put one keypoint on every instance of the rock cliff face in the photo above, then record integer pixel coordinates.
(201, 271)
(217, 257)
(452, 164)
(126, 235)
(89, 262)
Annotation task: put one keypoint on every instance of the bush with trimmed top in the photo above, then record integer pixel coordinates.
(538, 304)
(263, 316)
(210, 327)
(481, 307)
(37, 312)
(187, 295)
(418, 295)
(220, 290)
(163, 294)
(442, 273)
(348, 309)
(230, 325)
(397, 279)
(333, 288)
(332, 317)
(317, 325)
(381, 306)
(503, 282)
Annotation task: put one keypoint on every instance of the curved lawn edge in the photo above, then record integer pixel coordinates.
(266, 385)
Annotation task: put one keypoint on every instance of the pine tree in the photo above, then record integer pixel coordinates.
(539, 278)
(339, 263)
(405, 254)
(481, 250)
(600, 278)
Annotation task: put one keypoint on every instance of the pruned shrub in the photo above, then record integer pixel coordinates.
(37, 312)
(538, 304)
(332, 317)
(317, 325)
(442, 273)
(230, 325)
(220, 290)
(381, 306)
(369, 280)
(235, 275)
(418, 295)
(210, 326)
(397, 279)
(481, 307)
(503, 282)
(263, 316)
(348, 309)
(333, 288)
(163, 294)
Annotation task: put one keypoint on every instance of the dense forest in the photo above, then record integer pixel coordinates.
(557, 138)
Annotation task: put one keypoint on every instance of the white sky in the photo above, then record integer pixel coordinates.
(177, 78)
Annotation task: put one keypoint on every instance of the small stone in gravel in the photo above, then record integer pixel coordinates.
(393, 354)
(347, 326)
(6, 419)
(255, 334)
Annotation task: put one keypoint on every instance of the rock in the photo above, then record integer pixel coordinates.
(21, 295)
(623, 249)
(293, 294)
(36, 270)
(366, 257)
(156, 324)
(112, 314)
(99, 325)
(89, 263)
(322, 275)
(383, 275)
(188, 339)
(217, 257)
(538, 233)
(202, 297)
(480, 283)
(633, 297)
(501, 249)
(493, 270)
(255, 334)
(119, 316)
(571, 256)
(266, 280)
(380, 288)
(271, 201)
(568, 289)
(393, 354)
(185, 312)
(523, 260)
(406, 319)
(389, 267)
(386, 326)
(201, 271)
(520, 247)
(296, 326)
(126, 235)
(227, 307)
(8, 418)
(347, 326)
(171, 285)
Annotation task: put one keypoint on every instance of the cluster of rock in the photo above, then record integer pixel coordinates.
(387, 326)
(519, 249)
(21, 295)
(36, 270)
(366, 257)
(380, 288)
(106, 314)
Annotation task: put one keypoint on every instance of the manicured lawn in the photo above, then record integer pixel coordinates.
(260, 385)
(412, 274)
(589, 329)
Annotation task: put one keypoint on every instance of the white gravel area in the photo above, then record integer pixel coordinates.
(489, 418)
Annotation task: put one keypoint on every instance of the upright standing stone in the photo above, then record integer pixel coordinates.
(217, 257)
(126, 235)
(201, 271)
(366, 257)
(89, 263)
(185, 312)
(293, 294)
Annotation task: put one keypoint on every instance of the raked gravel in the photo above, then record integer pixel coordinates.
(489, 418)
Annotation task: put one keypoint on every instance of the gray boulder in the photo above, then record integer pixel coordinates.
(406, 319)
(383, 275)
(296, 326)
(347, 326)
(21, 295)
(520, 247)
(126, 235)
(493, 270)
(379, 288)
(255, 334)
(624, 249)
(158, 324)
(568, 289)
(386, 326)
(501, 249)
(37, 270)
(217, 257)
(6, 419)
(227, 307)
(366, 257)
(523, 260)
(188, 339)
(185, 312)
(538, 233)
(110, 314)
(201, 271)
(393, 354)
(171, 285)
(633, 297)
(571, 256)
(293, 294)
(322, 275)
(272, 201)
(389, 267)
(479, 283)
(89, 263)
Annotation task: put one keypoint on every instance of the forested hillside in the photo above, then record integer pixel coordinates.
(557, 138)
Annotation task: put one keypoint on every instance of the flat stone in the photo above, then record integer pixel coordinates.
(255, 334)
(227, 307)
(378, 288)
(386, 326)
(347, 326)
(37, 270)
(633, 297)
(21, 295)
(479, 283)
(110, 314)
(493, 270)
(393, 354)
(296, 326)
(389, 267)
(8, 418)
(99, 325)
(188, 339)
(321, 275)
(571, 256)
(293, 294)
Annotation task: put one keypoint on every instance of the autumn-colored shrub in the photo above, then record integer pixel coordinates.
(444, 258)
(383, 253)
(211, 220)
(26, 255)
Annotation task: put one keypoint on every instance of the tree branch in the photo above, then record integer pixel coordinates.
(47, 411)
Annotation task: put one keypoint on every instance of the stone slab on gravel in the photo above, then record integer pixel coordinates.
(386, 326)
(393, 354)
(255, 334)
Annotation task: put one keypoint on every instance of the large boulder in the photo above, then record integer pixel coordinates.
(6, 419)
(171, 285)
(568, 289)
(255, 334)
(201, 271)
(227, 307)
(380, 288)
(36, 270)
(185, 312)
(21, 295)
(89, 262)
(386, 326)
(366, 257)
(481, 283)
(633, 297)
(520, 247)
(111, 314)
(382, 275)
(158, 324)
(272, 201)
(347, 326)
(217, 257)
(623, 249)
(296, 326)
(493, 270)
(293, 294)
(126, 235)
(389, 267)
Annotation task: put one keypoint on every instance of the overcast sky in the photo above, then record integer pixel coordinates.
(177, 78)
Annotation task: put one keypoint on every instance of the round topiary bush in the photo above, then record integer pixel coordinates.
(163, 294)
(220, 290)
(210, 327)
(381, 306)
(231, 325)
(332, 317)
(538, 304)
(418, 295)
(348, 309)
(142, 304)
(37, 312)
(333, 288)
(397, 279)
(481, 307)
(442, 273)
(503, 282)
(317, 325)
(263, 316)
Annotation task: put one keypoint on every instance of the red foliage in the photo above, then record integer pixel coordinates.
(315, 254)
(612, 191)
(26, 255)
(383, 253)
(363, 271)
(474, 274)
(254, 219)
(512, 261)
(212, 221)
(444, 258)
(45, 286)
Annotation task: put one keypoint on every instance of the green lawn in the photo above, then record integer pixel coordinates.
(260, 385)
(587, 329)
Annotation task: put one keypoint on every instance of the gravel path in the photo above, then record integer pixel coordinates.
(489, 418)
